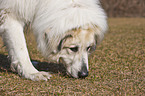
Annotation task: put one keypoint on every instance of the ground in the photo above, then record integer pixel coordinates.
(117, 67)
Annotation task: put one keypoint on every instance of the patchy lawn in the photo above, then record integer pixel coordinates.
(117, 67)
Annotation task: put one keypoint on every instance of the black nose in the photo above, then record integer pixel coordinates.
(83, 74)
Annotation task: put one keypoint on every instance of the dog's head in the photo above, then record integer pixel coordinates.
(74, 48)
(74, 51)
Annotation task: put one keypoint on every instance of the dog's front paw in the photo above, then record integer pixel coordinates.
(38, 76)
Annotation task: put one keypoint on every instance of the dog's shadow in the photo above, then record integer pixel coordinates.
(53, 68)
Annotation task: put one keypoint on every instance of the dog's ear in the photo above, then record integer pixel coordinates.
(98, 35)
(60, 45)
(53, 44)
(48, 42)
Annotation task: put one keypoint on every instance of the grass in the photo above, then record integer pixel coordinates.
(117, 67)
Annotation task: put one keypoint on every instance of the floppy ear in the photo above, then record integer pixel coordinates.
(52, 44)
(47, 43)
(99, 35)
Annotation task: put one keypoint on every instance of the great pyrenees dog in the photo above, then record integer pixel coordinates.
(65, 30)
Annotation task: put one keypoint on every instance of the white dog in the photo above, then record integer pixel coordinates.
(65, 30)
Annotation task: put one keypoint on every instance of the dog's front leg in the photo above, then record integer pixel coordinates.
(15, 42)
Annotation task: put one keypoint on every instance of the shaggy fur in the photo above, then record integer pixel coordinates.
(60, 27)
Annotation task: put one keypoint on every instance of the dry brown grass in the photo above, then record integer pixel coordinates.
(124, 8)
(116, 68)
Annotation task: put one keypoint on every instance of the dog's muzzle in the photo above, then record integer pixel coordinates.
(83, 73)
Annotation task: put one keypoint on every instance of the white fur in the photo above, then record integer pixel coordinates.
(50, 19)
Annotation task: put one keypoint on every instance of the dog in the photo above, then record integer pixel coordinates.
(65, 30)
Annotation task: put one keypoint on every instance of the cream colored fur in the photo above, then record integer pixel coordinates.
(51, 21)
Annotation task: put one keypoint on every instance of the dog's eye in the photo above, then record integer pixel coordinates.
(88, 48)
(74, 49)
(91, 48)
